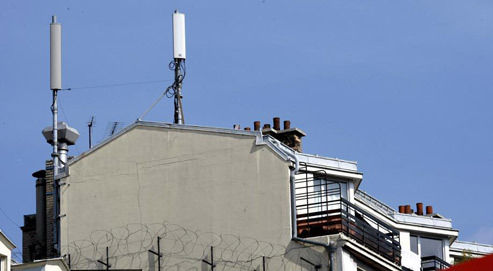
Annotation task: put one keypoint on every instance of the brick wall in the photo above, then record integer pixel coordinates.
(49, 209)
(29, 238)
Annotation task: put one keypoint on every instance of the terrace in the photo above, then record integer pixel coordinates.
(322, 208)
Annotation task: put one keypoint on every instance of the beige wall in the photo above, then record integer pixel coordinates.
(194, 189)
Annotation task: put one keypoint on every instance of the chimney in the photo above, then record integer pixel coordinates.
(277, 123)
(256, 125)
(287, 124)
(429, 210)
(402, 209)
(407, 209)
(289, 136)
(419, 208)
(266, 130)
(40, 213)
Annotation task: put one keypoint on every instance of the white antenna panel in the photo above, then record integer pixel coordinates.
(179, 49)
(55, 55)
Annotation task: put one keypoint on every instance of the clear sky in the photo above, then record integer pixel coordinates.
(402, 87)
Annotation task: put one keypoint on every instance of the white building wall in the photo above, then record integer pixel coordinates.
(344, 261)
(5, 252)
(409, 259)
(446, 251)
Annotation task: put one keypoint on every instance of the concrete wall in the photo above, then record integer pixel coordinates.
(194, 189)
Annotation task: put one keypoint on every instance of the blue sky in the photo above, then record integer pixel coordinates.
(402, 87)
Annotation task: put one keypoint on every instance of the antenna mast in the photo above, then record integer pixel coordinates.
(55, 86)
(179, 55)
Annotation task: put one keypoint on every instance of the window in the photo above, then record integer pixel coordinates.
(414, 244)
(425, 246)
(431, 247)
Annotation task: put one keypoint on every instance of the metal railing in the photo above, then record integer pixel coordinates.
(362, 195)
(431, 263)
(321, 210)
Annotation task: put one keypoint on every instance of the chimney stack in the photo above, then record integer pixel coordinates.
(40, 213)
(429, 210)
(277, 123)
(402, 209)
(287, 124)
(419, 208)
(256, 125)
(290, 137)
(407, 209)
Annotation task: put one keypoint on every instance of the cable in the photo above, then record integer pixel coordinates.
(170, 91)
(117, 85)
(12, 221)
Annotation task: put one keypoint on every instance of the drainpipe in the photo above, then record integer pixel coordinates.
(292, 175)
(329, 247)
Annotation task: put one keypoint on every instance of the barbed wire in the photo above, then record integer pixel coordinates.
(182, 249)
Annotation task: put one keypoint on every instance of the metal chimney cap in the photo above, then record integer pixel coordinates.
(39, 174)
(65, 133)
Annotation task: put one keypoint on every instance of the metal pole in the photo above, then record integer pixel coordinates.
(107, 259)
(90, 131)
(178, 118)
(263, 263)
(54, 155)
(212, 258)
(159, 252)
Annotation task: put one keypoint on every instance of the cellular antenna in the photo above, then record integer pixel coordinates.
(60, 135)
(179, 55)
(55, 86)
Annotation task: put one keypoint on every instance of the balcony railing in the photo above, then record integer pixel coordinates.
(322, 210)
(432, 263)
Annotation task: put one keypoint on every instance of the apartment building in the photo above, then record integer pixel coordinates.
(159, 196)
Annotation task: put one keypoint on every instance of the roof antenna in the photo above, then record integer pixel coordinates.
(90, 123)
(60, 135)
(179, 55)
(178, 65)
(113, 128)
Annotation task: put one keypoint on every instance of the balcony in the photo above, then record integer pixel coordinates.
(322, 210)
(432, 263)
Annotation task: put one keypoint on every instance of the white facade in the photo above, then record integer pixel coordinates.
(6, 247)
(56, 264)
